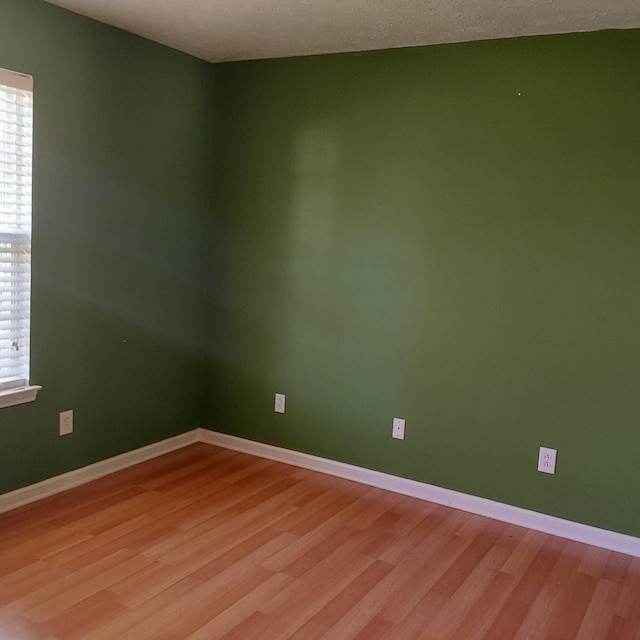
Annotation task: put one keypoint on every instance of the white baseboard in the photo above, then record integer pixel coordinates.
(473, 504)
(60, 483)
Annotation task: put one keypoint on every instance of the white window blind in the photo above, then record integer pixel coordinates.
(16, 143)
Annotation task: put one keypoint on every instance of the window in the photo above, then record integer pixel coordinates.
(16, 144)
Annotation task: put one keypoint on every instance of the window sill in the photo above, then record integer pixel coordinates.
(18, 395)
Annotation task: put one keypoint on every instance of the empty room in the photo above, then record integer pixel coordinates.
(319, 320)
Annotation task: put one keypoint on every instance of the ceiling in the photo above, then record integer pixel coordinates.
(222, 30)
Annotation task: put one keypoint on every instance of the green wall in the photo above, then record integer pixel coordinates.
(120, 207)
(447, 234)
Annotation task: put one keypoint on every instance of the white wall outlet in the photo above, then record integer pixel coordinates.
(66, 422)
(398, 428)
(547, 460)
(279, 408)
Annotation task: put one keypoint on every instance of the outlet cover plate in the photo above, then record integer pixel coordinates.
(398, 428)
(547, 460)
(66, 422)
(279, 407)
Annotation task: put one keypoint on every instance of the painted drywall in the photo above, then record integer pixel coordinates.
(446, 234)
(119, 218)
(449, 235)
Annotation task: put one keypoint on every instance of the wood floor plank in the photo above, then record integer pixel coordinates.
(600, 612)
(210, 544)
(412, 626)
(235, 615)
(533, 584)
(460, 601)
(297, 605)
(28, 579)
(418, 572)
(82, 585)
(537, 622)
(375, 629)
(137, 588)
(199, 605)
(353, 593)
(16, 627)
(594, 561)
(77, 622)
(481, 614)
(395, 592)
(310, 631)
(150, 609)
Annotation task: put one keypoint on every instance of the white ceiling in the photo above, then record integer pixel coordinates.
(220, 30)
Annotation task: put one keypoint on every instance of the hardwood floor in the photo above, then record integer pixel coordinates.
(205, 544)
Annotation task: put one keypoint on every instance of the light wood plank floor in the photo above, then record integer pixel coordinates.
(206, 544)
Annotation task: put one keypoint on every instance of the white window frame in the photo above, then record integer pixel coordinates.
(15, 240)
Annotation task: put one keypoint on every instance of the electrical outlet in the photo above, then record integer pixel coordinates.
(398, 429)
(66, 422)
(279, 408)
(547, 460)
